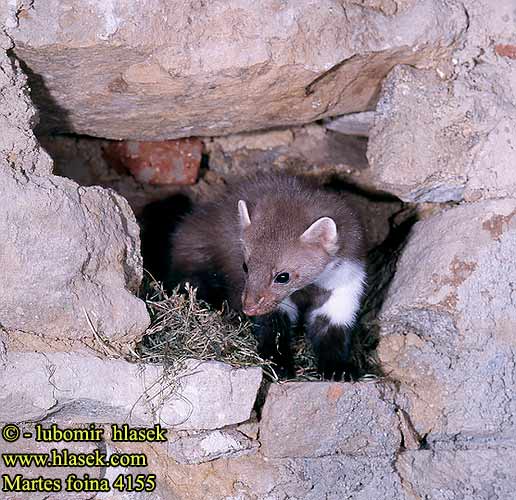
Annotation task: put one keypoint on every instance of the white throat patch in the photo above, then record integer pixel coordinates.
(345, 279)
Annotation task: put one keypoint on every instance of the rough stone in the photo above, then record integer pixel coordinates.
(419, 142)
(66, 251)
(258, 477)
(449, 319)
(308, 150)
(477, 474)
(210, 69)
(214, 395)
(345, 476)
(251, 428)
(317, 419)
(162, 492)
(387, 7)
(446, 134)
(210, 445)
(134, 495)
(69, 253)
(488, 82)
(81, 388)
(352, 124)
(18, 147)
(455, 474)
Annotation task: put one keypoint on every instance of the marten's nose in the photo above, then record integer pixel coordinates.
(250, 307)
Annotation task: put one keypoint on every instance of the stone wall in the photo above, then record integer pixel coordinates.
(449, 321)
(440, 424)
(177, 69)
(69, 253)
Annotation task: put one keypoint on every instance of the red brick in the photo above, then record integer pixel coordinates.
(164, 162)
(506, 50)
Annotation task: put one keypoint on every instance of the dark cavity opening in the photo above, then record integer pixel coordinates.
(335, 160)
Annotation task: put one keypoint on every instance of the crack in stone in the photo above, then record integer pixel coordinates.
(311, 87)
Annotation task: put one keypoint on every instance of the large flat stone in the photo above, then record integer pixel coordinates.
(301, 419)
(166, 69)
(73, 387)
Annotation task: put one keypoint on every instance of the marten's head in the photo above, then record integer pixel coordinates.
(283, 251)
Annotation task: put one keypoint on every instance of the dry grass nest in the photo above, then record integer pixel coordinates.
(183, 327)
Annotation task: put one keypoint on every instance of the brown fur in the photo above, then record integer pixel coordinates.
(211, 245)
(281, 209)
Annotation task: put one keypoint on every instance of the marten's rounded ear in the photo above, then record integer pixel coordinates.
(322, 232)
(245, 220)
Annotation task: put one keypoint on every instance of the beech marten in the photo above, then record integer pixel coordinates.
(282, 251)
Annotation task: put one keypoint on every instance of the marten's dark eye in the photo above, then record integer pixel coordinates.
(244, 267)
(282, 278)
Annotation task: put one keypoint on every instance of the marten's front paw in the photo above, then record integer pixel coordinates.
(283, 361)
(333, 357)
(331, 364)
(273, 335)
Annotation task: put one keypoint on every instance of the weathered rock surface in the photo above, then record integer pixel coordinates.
(352, 124)
(477, 474)
(66, 250)
(309, 150)
(81, 388)
(318, 419)
(257, 477)
(419, 143)
(134, 495)
(208, 69)
(206, 446)
(449, 319)
(162, 492)
(480, 472)
(447, 134)
(18, 146)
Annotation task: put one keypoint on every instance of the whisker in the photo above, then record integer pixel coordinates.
(289, 305)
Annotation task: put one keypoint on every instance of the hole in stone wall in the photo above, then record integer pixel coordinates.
(338, 161)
